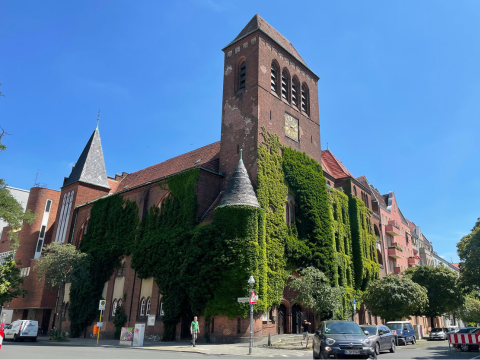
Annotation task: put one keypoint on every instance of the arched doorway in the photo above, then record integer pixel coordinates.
(297, 318)
(281, 316)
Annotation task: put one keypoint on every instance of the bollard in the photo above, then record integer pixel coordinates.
(269, 339)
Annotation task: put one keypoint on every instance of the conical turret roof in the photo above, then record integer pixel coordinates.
(240, 190)
(90, 166)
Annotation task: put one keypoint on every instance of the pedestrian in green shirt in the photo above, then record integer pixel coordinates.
(194, 330)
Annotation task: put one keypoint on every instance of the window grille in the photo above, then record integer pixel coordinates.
(294, 92)
(142, 308)
(243, 73)
(305, 99)
(149, 304)
(273, 78)
(284, 85)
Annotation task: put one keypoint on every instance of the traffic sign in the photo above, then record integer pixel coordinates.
(354, 305)
(245, 300)
(253, 298)
(101, 305)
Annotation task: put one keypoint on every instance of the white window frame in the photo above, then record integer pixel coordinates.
(64, 216)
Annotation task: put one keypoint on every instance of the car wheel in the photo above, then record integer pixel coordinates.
(464, 347)
(414, 341)
(377, 348)
(392, 348)
(15, 337)
(34, 339)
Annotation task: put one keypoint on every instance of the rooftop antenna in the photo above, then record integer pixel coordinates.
(98, 118)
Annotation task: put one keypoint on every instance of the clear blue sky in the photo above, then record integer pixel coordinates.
(399, 90)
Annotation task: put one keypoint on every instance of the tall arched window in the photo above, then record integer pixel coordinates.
(354, 190)
(274, 77)
(294, 91)
(114, 307)
(149, 305)
(285, 85)
(305, 99)
(242, 75)
(119, 303)
(292, 212)
(142, 308)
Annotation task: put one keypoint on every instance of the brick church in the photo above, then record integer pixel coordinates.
(267, 85)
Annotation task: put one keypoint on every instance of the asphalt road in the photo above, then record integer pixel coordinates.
(39, 350)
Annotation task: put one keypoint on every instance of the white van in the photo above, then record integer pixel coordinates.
(22, 329)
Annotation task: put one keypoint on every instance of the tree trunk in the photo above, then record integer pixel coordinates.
(62, 289)
(432, 319)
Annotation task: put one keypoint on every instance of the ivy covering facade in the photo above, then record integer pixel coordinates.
(202, 268)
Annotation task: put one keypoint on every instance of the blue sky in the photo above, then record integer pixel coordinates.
(399, 90)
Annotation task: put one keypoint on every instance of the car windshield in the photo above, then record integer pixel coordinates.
(437, 329)
(395, 326)
(372, 330)
(342, 327)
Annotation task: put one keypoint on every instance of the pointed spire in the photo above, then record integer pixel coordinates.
(240, 190)
(98, 119)
(90, 166)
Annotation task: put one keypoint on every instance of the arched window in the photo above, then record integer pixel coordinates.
(114, 307)
(354, 190)
(292, 212)
(122, 270)
(274, 78)
(142, 308)
(149, 305)
(305, 99)
(242, 75)
(161, 202)
(285, 85)
(119, 303)
(294, 91)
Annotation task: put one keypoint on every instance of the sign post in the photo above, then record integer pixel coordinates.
(253, 300)
(101, 307)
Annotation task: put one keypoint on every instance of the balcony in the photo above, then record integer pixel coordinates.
(413, 261)
(394, 252)
(397, 271)
(393, 228)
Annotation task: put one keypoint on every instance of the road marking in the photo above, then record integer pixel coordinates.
(476, 357)
(284, 355)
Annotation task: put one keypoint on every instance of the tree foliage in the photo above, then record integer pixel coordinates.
(469, 252)
(393, 298)
(470, 312)
(443, 290)
(119, 321)
(10, 281)
(315, 291)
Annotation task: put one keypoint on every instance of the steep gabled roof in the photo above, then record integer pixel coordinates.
(240, 190)
(258, 23)
(333, 166)
(205, 157)
(378, 197)
(90, 166)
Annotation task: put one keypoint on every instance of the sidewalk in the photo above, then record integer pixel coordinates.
(209, 349)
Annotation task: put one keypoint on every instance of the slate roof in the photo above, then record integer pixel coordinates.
(379, 197)
(333, 166)
(258, 23)
(90, 166)
(205, 157)
(240, 190)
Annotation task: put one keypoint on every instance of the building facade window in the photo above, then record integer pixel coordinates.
(114, 307)
(285, 85)
(149, 305)
(43, 229)
(64, 216)
(294, 91)
(242, 75)
(142, 308)
(274, 78)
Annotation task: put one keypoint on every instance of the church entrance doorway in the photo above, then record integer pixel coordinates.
(282, 310)
(297, 319)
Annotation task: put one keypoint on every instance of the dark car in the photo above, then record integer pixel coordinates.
(468, 347)
(403, 331)
(381, 336)
(337, 339)
(438, 334)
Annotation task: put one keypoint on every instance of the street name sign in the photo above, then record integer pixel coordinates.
(245, 300)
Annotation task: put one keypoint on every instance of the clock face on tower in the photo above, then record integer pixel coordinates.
(291, 127)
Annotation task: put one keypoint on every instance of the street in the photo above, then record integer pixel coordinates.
(46, 350)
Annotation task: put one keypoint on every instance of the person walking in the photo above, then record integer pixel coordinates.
(194, 330)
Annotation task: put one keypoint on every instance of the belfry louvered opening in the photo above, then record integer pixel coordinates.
(243, 75)
(294, 92)
(285, 81)
(305, 99)
(273, 78)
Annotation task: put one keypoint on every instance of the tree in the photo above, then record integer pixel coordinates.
(469, 252)
(62, 264)
(443, 290)
(119, 320)
(315, 291)
(10, 210)
(393, 297)
(10, 281)
(470, 312)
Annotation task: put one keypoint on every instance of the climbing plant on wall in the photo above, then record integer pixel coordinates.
(111, 232)
(365, 259)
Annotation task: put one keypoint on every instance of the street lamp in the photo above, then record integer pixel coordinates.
(251, 281)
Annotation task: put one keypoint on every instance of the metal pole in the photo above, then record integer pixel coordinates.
(98, 333)
(251, 323)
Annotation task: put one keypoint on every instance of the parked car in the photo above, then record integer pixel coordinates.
(452, 329)
(338, 338)
(438, 334)
(468, 347)
(381, 336)
(403, 331)
(22, 329)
